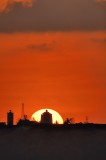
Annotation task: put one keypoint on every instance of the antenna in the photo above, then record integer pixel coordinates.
(22, 112)
(86, 119)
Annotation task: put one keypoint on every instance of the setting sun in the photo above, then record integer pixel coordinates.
(55, 116)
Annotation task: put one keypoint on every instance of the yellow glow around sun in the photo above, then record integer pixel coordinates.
(55, 116)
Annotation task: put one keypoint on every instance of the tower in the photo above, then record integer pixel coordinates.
(86, 120)
(10, 118)
(46, 118)
(22, 112)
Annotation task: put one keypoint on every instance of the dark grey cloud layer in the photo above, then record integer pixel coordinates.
(55, 15)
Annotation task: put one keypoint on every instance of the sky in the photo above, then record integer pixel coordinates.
(53, 55)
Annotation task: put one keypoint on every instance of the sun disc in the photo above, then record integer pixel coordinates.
(56, 117)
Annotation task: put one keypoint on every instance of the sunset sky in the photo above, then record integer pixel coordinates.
(53, 55)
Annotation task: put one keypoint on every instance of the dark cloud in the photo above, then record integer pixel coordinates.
(42, 47)
(99, 40)
(55, 15)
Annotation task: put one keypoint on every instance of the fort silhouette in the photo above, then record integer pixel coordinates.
(47, 122)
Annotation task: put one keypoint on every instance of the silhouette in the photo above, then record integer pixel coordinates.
(46, 118)
(22, 112)
(86, 120)
(10, 118)
(69, 121)
(2, 124)
(46, 122)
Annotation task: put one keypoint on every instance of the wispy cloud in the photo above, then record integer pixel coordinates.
(99, 40)
(101, 1)
(5, 5)
(42, 47)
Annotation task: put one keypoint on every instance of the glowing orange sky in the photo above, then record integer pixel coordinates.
(62, 71)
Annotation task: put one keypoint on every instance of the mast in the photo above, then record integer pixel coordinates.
(22, 112)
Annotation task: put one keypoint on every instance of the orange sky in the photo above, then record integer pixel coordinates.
(64, 71)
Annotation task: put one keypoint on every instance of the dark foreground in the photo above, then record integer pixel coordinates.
(45, 143)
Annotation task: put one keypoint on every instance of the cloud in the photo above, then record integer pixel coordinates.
(99, 40)
(5, 5)
(101, 1)
(42, 47)
(53, 15)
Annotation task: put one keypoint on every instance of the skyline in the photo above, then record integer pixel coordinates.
(44, 116)
(53, 55)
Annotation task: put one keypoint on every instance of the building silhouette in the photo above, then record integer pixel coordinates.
(46, 118)
(10, 118)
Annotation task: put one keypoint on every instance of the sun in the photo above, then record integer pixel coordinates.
(56, 117)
